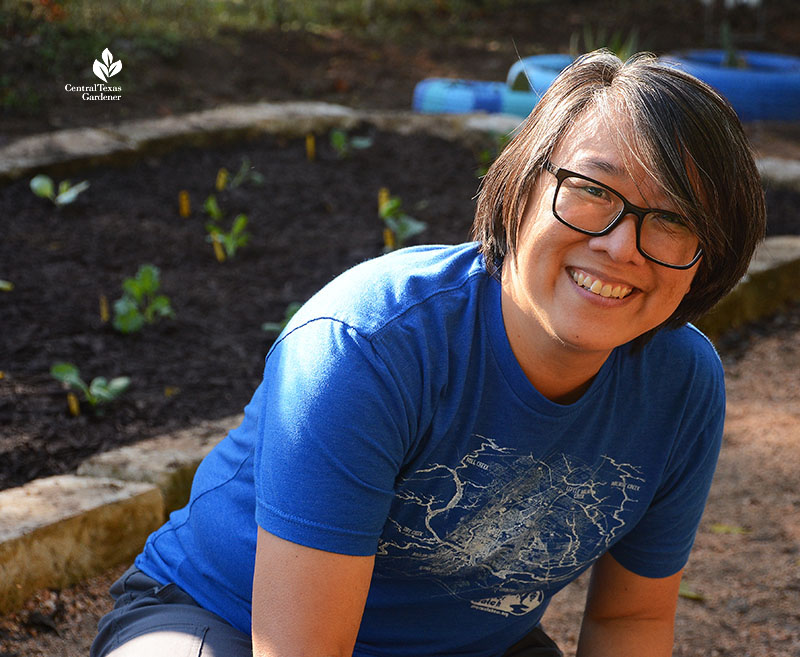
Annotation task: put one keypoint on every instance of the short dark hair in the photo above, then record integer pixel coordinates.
(681, 131)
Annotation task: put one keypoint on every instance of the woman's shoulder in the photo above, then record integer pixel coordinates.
(684, 355)
(374, 293)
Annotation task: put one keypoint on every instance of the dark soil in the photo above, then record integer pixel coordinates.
(309, 222)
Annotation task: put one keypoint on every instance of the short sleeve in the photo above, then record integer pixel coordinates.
(660, 543)
(332, 435)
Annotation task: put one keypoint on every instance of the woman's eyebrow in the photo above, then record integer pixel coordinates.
(605, 166)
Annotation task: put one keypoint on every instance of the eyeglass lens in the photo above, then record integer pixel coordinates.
(591, 207)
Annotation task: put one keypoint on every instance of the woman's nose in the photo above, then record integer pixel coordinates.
(620, 243)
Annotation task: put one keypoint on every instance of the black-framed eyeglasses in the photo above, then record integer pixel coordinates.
(593, 208)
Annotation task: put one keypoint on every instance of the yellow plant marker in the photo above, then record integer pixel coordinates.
(184, 204)
(2, 375)
(388, 239)
(74, 406)
(222, 179)
(171, 391)
(311, 147)
(383, 197)
(104, 314)
(218, 250)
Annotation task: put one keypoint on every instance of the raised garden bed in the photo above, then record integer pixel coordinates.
(309, 221)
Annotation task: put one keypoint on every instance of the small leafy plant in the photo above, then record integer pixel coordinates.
(246, 174)
(621, 45)
(99, 392)
(44, 187)
(212, 209)
(344, 144)
(231, 241)
(277, 327)
(141, 303)
(399, 226)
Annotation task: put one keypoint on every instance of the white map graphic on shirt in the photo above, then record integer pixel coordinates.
(506, 523)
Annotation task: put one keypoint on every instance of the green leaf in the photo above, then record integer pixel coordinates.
(277, 327)
(212, 208)
(408, 227)
(685, 592)
(6, 286)
(105, 391)
(160, 306)
(360, 143)
(148, 278)
(118, 385)
(239, 224)
(391, 208)
(68, 195)
(127, 317)
(339, 142)
(272, 327)
(43, 187)
(69, 374)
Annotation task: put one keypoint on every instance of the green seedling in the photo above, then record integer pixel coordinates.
(44, 187)
(140, 303)
(212, 209)
(246, 174)
(227, 243)
(99, 392)
(344, 144)
(399, 226)
(277, 327)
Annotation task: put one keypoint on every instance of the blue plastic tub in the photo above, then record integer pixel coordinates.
(439, 95)
(768, 89)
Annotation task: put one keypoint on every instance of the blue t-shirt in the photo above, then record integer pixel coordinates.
(394, 420)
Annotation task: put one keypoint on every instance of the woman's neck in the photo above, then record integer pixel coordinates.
(558, 371)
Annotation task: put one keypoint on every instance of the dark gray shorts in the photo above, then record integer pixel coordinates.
(161, 620)
(150, 619)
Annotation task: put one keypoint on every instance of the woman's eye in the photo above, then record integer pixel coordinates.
(669, 218)
(596, 192)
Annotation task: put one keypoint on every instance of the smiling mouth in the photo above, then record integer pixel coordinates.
(599, 287)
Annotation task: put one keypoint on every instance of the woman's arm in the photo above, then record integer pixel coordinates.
(306, 602)
(628, 615)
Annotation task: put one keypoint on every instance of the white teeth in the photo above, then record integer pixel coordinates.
(598, 287)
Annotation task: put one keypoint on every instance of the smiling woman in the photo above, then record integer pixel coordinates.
(447, 436)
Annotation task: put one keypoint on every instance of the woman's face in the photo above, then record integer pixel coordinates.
(547, 281)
